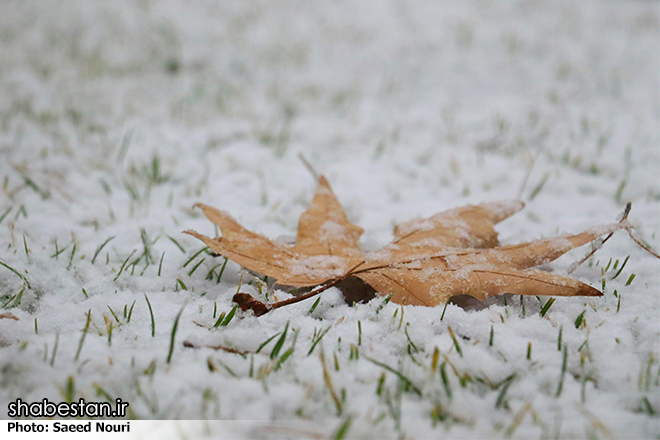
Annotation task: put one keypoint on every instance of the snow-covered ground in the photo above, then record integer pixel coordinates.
(116, 117)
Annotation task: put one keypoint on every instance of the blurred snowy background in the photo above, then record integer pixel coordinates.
(115, 117)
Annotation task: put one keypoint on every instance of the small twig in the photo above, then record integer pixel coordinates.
(642, 245)
(526, 179)
(623, 218)
(247, 302)
(309, 166)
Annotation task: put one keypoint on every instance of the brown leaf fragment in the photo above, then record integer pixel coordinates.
(454, 252)
(8, 315)
(189, 344)
(247, 302)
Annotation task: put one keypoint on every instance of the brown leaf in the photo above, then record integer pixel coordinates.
(454, 252)
(8, 315)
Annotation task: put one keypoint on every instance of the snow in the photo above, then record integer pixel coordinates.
(116, 117)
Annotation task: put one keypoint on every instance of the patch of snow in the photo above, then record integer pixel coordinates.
(116, 117)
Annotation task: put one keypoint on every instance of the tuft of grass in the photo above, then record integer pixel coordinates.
(411, 344)
(58, 251)
(229, 317)
(445, 379)
(175, 326)
(559, 337)
(123, 264)
(176, 243)
(195, 255)
(580, 319)
(283, 358)
(384, 303)
(407, 382)
(621, 268)
(453, 337)
(69, 390)
(5, 214)
(381, 383)
(342, 431)
(444, 309)
(147, 244)
(113, 314)
(564, 363)
(17, 273)
(73, 252)
(355, 353)
(360, 333)
(44, 194)
(316, 303)
(130, 312)
(27, 251)
(316, 339)
(194, 268)
(222, 271)
(101, 246)
(546, 307)
(646, 407)
(4, 306)
(517, 419)
(220, 319)
(109, 327)
(280, 342)
(160, 264)
(151, 313)
(501, 398)
(57, 343)
(124, 145)
(539, 186)
(435, 359)
(82, 337)
(153, 172)
(328, 383)
(263, 344)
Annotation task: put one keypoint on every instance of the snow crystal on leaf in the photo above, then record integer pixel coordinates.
(331, 230)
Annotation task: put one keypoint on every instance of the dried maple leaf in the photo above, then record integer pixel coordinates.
(455, 252)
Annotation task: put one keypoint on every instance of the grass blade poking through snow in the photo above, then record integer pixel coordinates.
(122, 266)
(151, 313)
(98, 249)
(453, 337)
(84, 334)
(316, 303)
(403, 378)
(564, 362)
(175, 326)
(2, 217)
(341, 432)
(317, 340)
(279, 343)
(205, 248)
(328, 383)
(16, 272)
(229, 317)
(546, 307)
